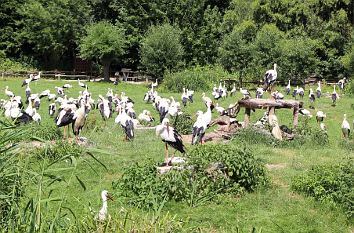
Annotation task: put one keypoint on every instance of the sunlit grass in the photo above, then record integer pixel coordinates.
(275, 209)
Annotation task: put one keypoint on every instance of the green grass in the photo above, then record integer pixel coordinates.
(276, 209)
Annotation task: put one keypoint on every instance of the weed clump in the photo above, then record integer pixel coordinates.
(330, 184)
(46, 131)
(58, 150)
(210, 170)
(183, 124)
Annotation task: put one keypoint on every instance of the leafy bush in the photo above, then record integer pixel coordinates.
(197, 78)
(7, 64)
(210, 170)
(46, 131)
(349, 88)
(252, 136)
(10, 172)
(331, 184)
(58, 150)
(184, 124)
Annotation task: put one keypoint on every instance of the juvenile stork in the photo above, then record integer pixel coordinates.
(170, 137)
(334, 96)
(301, 92)
(103, 213)
(9, 94)
(126, 122)
(190, 94)
(37, 77)
(65, 116)
(320, 116)
(146, 117)
(104, 108)
(345, 127)
(312, 98)
(318, 90)
(26, 81)
(51, 109)
(270, 77)
(79, 119)
(184, 97)
(246, 94)
(199, 128)
(259, 93)
(288, 88)
(233, 90)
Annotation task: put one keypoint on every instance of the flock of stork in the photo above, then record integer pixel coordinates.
(74, 111)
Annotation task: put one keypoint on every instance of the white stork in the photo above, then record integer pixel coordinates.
(345, 127)
(270, 77)
(103, 213)
(8, 93)
(199, 128)
(170, 137)
(318, 90)
(288, 88)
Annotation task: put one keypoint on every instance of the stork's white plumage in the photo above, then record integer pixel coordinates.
(36, 117)
(67, 86)
(270, 76)
(320, 116)
(318, 90)
(345, 127)
(28, 91)
(184, 97)
(288, 88)
(37, 77)
(26, 81)
(126, 122)
(259, 93)
(170, 136)
(219, 109)
(206, 99)
(199, 128)
(305, 112)
(8, 93)
(233, 90)
(103, 213)
(145, 116)
(245, 92)
(81, 84)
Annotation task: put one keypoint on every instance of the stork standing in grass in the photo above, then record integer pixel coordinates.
(301, 92)
(8, 93)
(270, 77)
(334, 96)
(199, 128)
(233, 90)
(103, 213)
(190, 94)
(27, 81)
(246, 94)
(170, 137)
(319, 118)
(184, 97)
(288, 88)
(312, 98)
(259, 93)
(318, 90)
(345, 127)
(126, 122)
(79, 119)
(51, 109)
(65, 116)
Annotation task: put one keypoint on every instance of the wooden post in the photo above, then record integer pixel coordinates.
(247, 117)
(295, 117)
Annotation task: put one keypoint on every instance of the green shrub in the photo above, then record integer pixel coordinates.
(58, 150)
(331, 184)
(210, 170)
(197, 78)
(253, 136)
(47, 131)
(7, 64)
(349, 88)
(183, 124)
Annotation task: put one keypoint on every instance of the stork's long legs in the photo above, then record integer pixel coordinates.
(166, 158)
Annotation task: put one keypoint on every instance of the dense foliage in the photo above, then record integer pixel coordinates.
(161, 50)
(332, 184)
(210, 170)
(104, 42)
(302, 37)
(197, 78)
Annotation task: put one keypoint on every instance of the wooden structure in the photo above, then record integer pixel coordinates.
(270, 105)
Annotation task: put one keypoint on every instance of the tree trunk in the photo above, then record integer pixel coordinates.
(106, 65)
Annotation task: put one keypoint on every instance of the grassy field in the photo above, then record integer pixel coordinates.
(273, 209)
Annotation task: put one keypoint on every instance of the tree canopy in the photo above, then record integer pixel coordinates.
(48, 34)
(104, 42)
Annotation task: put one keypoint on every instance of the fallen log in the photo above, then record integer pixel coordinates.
(269, 103)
